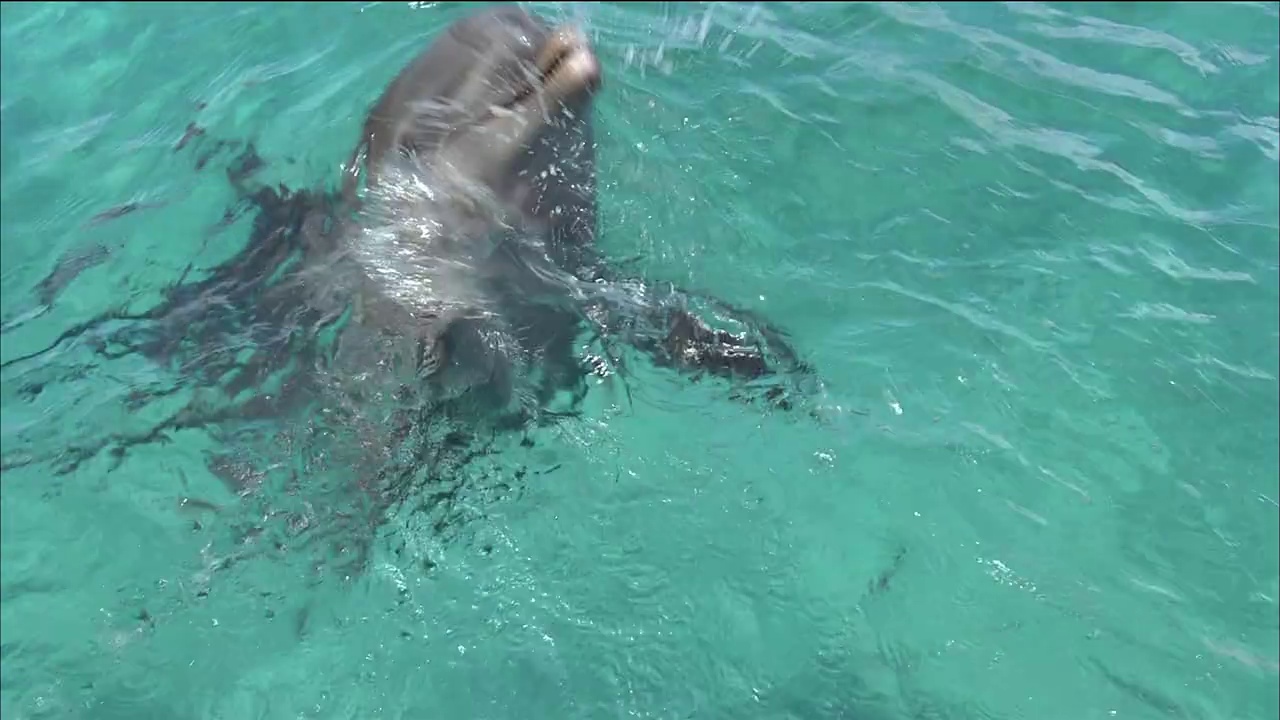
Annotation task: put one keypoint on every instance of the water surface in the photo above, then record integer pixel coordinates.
(1032, 249)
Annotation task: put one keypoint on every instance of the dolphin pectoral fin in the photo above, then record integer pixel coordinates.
(666, 324)
(692, 345)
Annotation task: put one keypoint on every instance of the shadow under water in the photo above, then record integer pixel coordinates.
(319, 456)
(257, 364)
(342, 367)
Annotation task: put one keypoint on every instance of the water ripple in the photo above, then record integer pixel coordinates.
(1032, 247)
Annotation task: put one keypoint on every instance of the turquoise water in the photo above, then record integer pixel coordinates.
(1032, 249)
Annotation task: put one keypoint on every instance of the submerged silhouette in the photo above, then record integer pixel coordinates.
(460, 298)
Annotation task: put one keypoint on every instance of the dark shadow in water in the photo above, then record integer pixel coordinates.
(259, 357)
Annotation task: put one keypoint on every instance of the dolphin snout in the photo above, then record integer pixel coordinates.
(567, 63)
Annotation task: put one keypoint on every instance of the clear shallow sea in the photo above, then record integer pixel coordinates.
(1031, 248)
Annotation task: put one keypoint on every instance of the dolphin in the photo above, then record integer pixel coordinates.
(487, 134)
(460, 251)
(498, 110)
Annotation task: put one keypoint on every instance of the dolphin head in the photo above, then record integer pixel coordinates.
(490, 124)
(500, 102)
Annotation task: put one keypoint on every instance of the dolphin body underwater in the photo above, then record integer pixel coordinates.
(467, 271)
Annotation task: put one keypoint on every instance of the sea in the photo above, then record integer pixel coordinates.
(1031, 251)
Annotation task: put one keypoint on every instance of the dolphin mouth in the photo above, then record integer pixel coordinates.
(564, 67)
